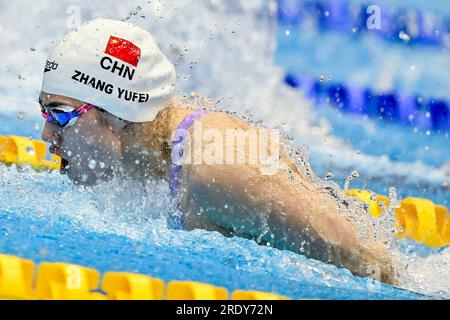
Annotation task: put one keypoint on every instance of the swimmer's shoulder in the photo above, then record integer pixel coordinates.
(172, 115)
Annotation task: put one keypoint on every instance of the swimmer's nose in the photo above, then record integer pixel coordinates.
(51, 133)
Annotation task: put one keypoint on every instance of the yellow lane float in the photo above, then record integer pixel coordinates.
(16, 277)
(63, 281)
(26, 151)
(190, 290)
(130, 286)
(416, 218)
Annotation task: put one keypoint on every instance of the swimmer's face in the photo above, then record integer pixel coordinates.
(89, 150)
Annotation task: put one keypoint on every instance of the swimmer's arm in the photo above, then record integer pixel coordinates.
(252, 185)
(241, 199)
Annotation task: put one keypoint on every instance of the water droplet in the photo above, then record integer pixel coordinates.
(355, 174)
(92, 164)
(21, 116)
(43, 252)
(328, 175)
(321, 78)
(135, 12)
(30, 150)
(404, 36)
(393, 202)
(32, 49)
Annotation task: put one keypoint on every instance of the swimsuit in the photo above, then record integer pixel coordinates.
(177, 145)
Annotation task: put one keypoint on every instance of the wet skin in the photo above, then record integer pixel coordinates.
(289, 209)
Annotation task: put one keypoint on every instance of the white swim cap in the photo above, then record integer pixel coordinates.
(114, 65)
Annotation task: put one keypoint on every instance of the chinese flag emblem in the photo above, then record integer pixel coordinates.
(123, 50)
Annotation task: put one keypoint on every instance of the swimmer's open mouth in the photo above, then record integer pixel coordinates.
(64, 166)
(64, 162)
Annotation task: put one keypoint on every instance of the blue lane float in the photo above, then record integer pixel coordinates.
(412, 110)
(408, 26)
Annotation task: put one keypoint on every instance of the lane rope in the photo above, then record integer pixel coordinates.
(64, 281)
(411, 110)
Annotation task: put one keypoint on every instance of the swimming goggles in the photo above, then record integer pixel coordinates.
(61, 117)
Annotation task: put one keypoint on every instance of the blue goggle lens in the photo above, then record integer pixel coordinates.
(62, 118)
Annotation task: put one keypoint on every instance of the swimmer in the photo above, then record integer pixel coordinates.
(135, 126)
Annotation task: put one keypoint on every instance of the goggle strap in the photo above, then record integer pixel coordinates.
(84, 108)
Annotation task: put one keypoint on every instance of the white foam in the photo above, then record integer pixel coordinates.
(430, 275)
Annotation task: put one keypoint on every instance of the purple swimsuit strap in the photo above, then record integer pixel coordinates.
(177, 149)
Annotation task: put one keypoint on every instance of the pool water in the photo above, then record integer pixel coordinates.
(45, 218)
(64, 225)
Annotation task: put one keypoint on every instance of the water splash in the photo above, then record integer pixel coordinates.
(243, 79)
(352, 176)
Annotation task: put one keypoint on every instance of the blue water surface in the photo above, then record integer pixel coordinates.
(233, 263)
